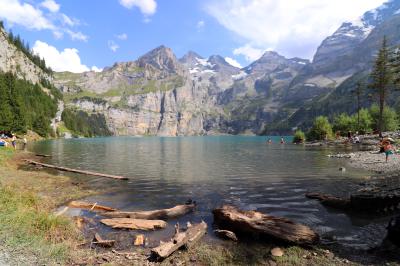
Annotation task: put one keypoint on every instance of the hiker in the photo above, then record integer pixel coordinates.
(388, 148)
(25, 141)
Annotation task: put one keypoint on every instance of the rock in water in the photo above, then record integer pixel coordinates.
(277, 252)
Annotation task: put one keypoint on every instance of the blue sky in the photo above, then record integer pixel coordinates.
(76, 35)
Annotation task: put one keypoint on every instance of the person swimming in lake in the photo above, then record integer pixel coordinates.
(269, 141)
(282, 140)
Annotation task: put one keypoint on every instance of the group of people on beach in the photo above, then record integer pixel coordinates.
(10, 138)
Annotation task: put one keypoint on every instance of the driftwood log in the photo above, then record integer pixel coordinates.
(176, 211)
(65, 169)
(264, 225)
(90, 206)
(329, 200)
(98, 240)
(134, 224)
(225, 234)
(181, 239)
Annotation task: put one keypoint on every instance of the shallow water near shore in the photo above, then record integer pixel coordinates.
(243, 171)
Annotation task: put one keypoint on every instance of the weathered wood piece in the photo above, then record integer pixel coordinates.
(329, 200)
(134, 224)
(181, 239)
(263, 224)
(225, 234)
(139, 240)
(65, 169)
(89, 206)
(176, 211)
(42, 155)
(98, 240)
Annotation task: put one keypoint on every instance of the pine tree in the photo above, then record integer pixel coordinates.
(382, 78)
(358, 91)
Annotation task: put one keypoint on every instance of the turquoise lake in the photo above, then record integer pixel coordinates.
(239, 170)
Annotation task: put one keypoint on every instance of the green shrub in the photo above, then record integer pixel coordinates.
(390, 119)
(321, 129)
(365, 121)
(344, 123)
(299, 137)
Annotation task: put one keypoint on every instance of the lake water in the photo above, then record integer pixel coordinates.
(243, 171)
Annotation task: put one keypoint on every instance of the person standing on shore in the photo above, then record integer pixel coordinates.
(14, 141)
(388, 149)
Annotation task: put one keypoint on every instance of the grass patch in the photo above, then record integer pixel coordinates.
(26, 224)
(28, 227)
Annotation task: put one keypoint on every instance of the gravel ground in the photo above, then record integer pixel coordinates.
(373, 161)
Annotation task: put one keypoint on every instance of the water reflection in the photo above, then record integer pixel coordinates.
(244, 171)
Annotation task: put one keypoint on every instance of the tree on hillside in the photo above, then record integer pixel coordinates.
(382, 78)
(358, 91)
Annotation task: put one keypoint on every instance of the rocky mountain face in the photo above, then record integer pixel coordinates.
(160, 95)
(15, 61)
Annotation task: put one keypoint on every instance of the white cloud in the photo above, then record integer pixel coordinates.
(67, 20)
(200, 25)
(34, 18)
(249, 52)
(113, 46)
(233, 62)
(66, 60)
(77, 35)
(147, 7)
(51, 5)
(24, 14)
(122, 36)
(294, 28)
(96, 69)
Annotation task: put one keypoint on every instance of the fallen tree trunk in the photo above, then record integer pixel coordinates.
(187, 238)
(176, 211)
(263, 224)
(89, 206)
(65, 169)
(330, 201)
(134, 224)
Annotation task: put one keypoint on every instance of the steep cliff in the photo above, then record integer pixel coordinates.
(15, 61)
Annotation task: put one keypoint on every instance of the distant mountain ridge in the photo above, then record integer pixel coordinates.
(159, 94)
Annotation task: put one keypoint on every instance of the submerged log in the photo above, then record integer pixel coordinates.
(89, 206)
(263, 224)
(134, 224)
(329, 200)
(394, 230)
(174, 212)
(365, 201)
(98, 240)
(65, 169)
(187, 239)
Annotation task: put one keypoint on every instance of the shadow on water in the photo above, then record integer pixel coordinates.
(243, 171)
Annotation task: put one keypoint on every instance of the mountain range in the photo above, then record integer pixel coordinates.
(159, 94)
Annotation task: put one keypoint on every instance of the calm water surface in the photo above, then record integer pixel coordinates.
(243, 171)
